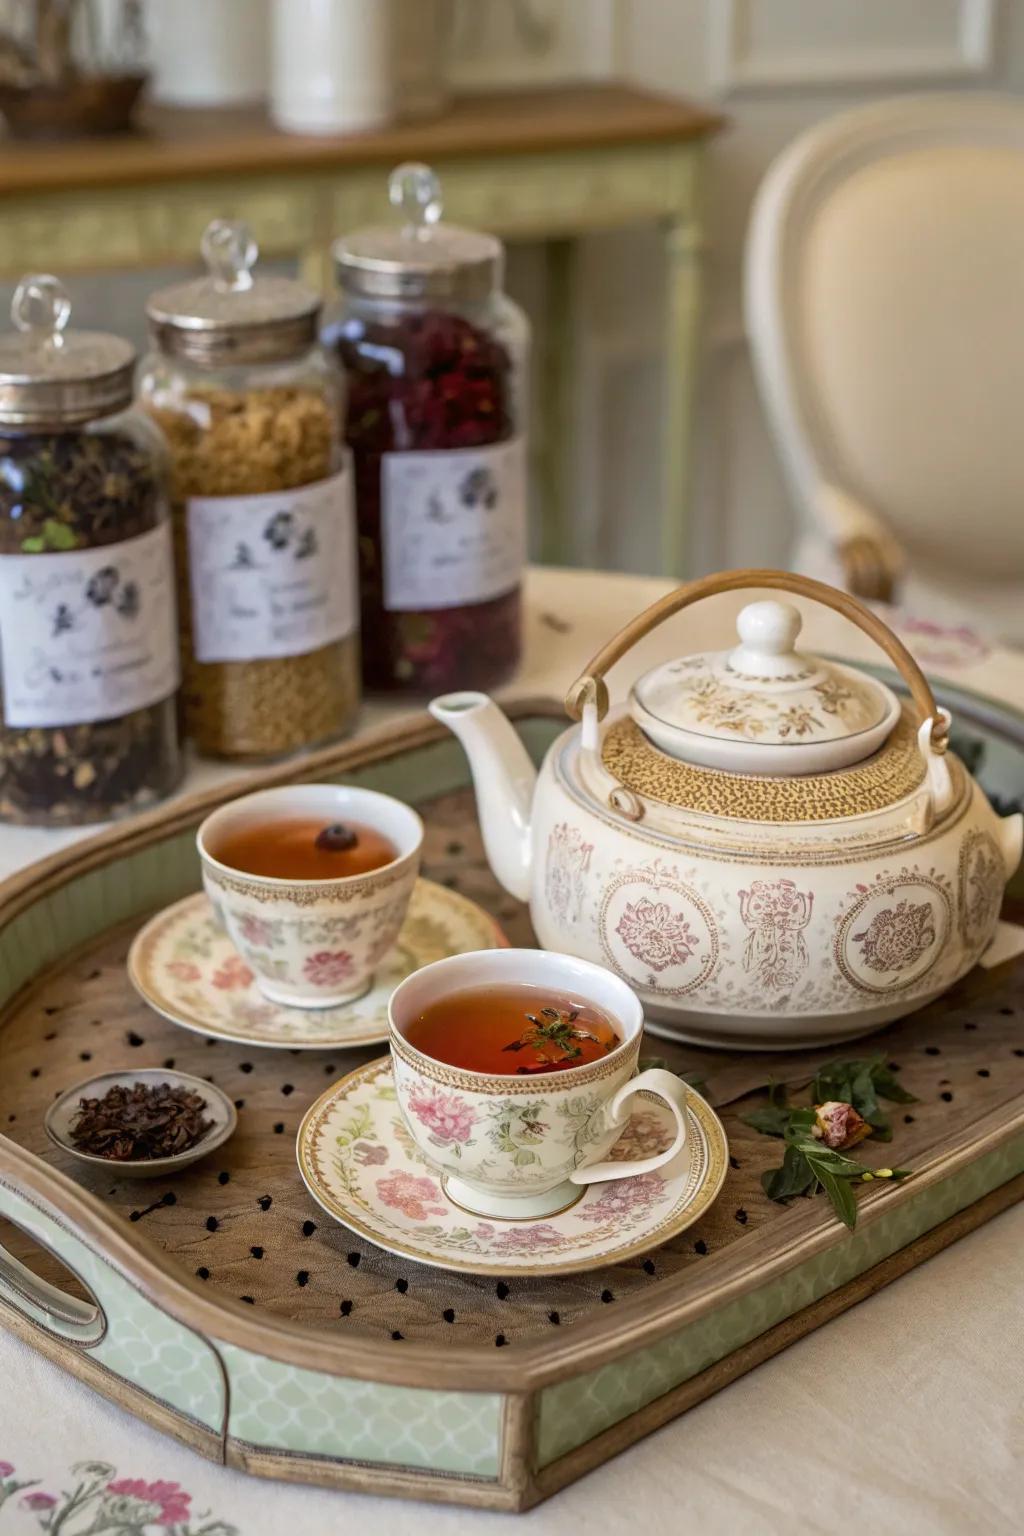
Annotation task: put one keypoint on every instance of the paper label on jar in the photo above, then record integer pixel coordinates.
(453, 525)
(273, 574)
(88, 634)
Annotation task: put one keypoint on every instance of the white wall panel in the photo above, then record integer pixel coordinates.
(778, 43)
(788, 64)
(497, 44)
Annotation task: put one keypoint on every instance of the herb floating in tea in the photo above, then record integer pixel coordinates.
(140, 1122)
(844, 1111)
(555, 1039)
(501, 1030)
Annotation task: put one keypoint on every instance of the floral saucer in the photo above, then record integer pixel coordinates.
(360, 1163)
(183, 965)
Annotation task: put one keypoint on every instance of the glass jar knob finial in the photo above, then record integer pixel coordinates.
(230, 253)
(416, 190)
(41, 308)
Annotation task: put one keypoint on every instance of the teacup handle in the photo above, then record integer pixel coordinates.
(672, 1091)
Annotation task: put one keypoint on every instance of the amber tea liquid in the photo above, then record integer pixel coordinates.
(512, 1031)
(304, 848)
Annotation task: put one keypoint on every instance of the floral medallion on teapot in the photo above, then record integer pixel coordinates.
(657, 932)
(894, 931)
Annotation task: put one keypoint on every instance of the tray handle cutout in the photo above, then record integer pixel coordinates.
(79, 1321)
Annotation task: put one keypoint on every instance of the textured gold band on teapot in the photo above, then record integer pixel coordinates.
(590, 687)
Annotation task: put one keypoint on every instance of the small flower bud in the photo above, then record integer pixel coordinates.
(839, 1125)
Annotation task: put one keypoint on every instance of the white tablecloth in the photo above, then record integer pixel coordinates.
(902, 1416)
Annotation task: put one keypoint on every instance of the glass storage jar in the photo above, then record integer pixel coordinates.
(88, 634)
(435, 357)
(261, 496)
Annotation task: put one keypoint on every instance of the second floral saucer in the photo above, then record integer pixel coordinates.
(183, 964)
(360, 1163)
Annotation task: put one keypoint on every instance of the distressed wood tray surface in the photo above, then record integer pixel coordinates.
(226, 1308)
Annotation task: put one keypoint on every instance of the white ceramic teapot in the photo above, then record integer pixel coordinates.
(769, 848)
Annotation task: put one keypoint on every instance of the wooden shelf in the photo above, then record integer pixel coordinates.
(189, 143)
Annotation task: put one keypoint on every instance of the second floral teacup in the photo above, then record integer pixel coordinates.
(522, 1146)
(311, 942)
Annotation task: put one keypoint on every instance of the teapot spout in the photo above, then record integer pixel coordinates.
(504, 779)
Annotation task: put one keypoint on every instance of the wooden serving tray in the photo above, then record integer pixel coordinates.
(225, 1307)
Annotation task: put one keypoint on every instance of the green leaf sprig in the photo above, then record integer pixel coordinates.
(552, 1034)
(807, 1164)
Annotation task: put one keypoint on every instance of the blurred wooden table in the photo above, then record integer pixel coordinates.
(548, 165)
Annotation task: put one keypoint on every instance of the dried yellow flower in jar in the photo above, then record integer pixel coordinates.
(265, 555)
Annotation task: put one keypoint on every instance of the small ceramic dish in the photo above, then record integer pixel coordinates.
(62, 1112)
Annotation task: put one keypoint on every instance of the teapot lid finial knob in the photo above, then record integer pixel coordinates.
(768, 633)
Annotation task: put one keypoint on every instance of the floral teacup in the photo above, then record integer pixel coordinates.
(509, 1147)
(313, 943)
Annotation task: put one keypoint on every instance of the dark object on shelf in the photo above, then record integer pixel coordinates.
(85, 105)
(57, 81)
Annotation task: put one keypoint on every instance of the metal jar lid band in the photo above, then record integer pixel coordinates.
(422, 258)
(51, 377)
(232, 315)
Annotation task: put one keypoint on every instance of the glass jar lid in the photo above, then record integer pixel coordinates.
(53, 377)
(764, 707)
(230, 315)
(421, 258)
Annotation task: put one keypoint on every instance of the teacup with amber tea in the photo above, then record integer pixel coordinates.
(515, 1071)
(312, 883)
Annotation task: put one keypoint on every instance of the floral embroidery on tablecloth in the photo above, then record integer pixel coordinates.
(97, 1501)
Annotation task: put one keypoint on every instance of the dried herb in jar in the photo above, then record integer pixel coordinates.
(140, 1122)
(247, 443)
(61, 493)
(428, 380)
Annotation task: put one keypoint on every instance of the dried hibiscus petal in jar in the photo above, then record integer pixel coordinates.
(433, 353)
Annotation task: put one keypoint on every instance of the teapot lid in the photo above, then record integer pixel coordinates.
(764, 707)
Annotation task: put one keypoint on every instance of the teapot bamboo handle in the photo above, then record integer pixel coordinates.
(590, 688)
